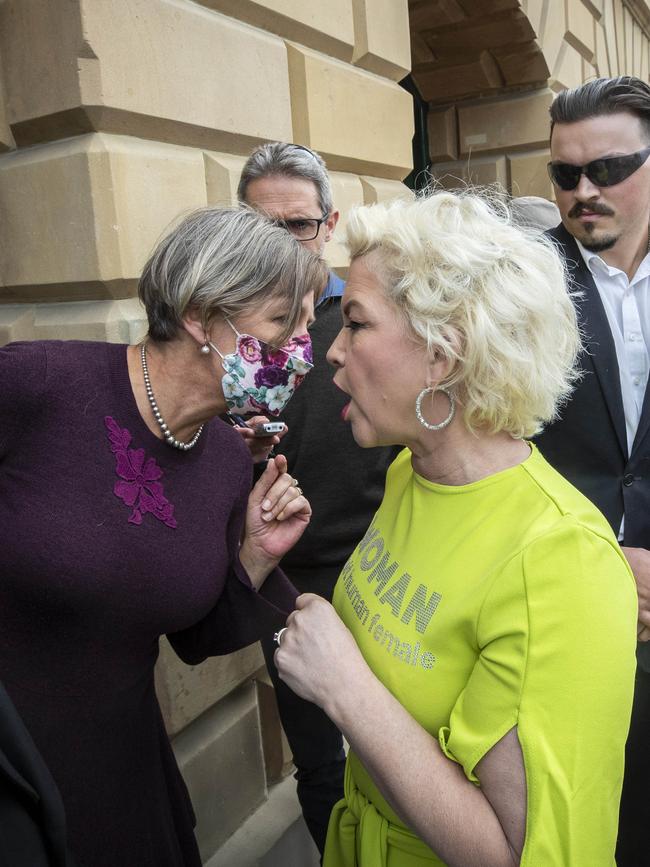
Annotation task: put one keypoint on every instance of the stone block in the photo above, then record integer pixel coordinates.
(43, 50)
(382, 37)
(449, 175)
(380, 190)
(186, 691)
(602, 55)
(443, 83)
(81, 216)
(628, 37)
(429, 14)
(112, 321)
(420, 51)
(184, 74)
(347, 193)
(16, 323)
(609, 30)
(7, 142)
(479, 8)
(499, 28)
(275, 835)
(522, 64)
(327, 27)
(535, 11)
(487, 172)
(554, 27)
(596, 7)
(477, 172)
(589, 71)
(222, 173)
(644, 61)
(637, 42)
(443, 134)
(528, 174)
(580, 29)
(220, 756)
(356, 120)
(278, 760)
(568, 69)
(619, 29)
(516, 123)
(49, 221)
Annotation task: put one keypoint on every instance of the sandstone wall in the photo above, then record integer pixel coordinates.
(117, 115)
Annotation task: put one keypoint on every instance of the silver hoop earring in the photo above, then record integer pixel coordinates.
(418, 408)
(205, 349)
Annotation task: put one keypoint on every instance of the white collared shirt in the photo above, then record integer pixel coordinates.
(627, 305)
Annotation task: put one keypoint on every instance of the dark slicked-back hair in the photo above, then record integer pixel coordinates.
(603, 96)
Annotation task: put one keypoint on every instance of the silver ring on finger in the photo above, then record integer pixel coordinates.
(277, 637)
(294, 482)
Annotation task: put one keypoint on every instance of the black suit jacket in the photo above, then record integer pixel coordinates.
(32, 823)
(588, 444)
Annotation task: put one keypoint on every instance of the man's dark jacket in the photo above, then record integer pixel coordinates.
(32, 823)
(588, 444)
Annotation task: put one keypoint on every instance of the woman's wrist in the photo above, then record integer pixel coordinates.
(355, 689)
(257, 566)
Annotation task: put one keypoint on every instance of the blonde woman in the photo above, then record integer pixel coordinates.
(479, 656)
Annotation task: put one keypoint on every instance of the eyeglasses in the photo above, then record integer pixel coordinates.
(603, 173)
(303, 229)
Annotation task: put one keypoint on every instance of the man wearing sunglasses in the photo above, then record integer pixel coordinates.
(344, 483)
(600, 168)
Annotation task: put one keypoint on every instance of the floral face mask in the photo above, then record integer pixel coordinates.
(259, 378)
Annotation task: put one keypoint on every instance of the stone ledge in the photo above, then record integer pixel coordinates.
(112, 321)
(274, 836)
(124, 66)
(382, 37)
(187, 691)
(355, 119)
(220, 757)
(324, 27)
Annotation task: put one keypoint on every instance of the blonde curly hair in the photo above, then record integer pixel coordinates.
(482, 292)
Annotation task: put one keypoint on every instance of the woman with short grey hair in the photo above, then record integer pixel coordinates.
(126, 512)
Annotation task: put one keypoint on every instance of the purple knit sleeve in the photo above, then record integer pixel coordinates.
(23, 371)
(242, 615)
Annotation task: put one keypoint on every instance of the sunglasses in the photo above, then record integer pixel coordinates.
(603, 173)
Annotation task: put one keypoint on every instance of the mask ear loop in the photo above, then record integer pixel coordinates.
(209, 343)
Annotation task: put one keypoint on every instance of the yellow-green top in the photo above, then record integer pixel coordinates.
(506, 602)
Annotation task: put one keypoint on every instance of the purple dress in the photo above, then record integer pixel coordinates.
(108, 539)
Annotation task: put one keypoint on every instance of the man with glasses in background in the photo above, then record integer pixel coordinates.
(600, 145)
(343, 482)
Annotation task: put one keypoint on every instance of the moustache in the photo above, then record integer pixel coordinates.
(578, 209)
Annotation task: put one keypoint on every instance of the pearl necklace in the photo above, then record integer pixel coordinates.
(170, 439)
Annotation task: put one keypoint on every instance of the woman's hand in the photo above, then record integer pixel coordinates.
(276, 518)
(318, 657)
(260, 447)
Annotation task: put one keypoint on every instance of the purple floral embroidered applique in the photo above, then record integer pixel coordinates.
(138, 484)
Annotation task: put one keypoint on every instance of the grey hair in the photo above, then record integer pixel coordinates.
(291, 161)
(603, 96)
(226, 261)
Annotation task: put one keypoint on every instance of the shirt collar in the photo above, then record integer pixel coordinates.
(599, 267)
(333, 289)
